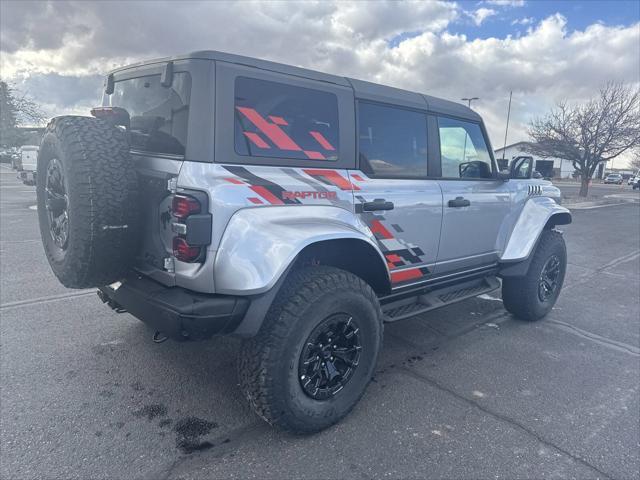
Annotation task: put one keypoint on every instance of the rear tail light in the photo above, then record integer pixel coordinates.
(183, 251)
(191, 227)
(184, 205)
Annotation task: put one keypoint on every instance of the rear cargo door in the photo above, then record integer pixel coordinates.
(158, 99)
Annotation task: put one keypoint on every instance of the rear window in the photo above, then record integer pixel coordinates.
(285, 121)
(158, 114)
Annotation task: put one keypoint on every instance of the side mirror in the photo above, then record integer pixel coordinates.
(504, 175)
(521, 167)
(474, 169)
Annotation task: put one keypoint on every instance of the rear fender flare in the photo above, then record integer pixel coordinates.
(259, 244)
(537, 214)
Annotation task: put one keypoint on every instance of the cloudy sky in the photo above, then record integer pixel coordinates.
(544, 51)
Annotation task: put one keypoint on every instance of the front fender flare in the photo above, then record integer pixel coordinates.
(259, 244)
(535, 215)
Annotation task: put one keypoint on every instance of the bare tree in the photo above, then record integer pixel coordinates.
(589, 134)
(16, 108)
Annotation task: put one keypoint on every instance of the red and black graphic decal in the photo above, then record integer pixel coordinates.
(267, 191)
(331, 177)
(409, 274)
(398, 253)
(272, 130)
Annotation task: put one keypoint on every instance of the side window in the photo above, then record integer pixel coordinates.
(392, 141)
(285, 121)
(158, 115)
(463, 150)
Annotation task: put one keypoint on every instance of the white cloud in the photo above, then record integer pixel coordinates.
(51, 49)
(506, 3)
(523, 21)
(481, 14)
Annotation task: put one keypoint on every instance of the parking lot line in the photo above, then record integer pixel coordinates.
(500, 417)
(613, 263)
(606, 342)
(52, 298)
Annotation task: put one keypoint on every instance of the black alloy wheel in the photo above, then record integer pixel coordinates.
(548, 281)
(56, 203)
(330, 357)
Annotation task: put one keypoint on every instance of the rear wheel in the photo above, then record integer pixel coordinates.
(87, 211)
(532, 296)
(316, 351)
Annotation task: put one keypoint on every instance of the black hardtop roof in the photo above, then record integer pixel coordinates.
(362, 89)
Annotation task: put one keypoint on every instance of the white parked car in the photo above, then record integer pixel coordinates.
(29, 161)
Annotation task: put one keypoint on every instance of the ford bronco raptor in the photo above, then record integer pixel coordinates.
(218, 194)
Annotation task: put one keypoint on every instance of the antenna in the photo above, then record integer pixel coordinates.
(506, 130)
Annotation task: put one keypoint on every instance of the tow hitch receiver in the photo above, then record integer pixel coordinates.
(116, 307)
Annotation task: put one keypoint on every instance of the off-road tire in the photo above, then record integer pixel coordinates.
(101, 204)
(268, 363)
(520, 294)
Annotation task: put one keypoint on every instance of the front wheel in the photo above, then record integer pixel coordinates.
(316, 351)
(533, 295)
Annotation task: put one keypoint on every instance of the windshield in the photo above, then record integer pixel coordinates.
(158, 114)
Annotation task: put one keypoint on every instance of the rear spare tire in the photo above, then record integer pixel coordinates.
(87, 208)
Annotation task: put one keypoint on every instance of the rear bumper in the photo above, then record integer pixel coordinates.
(176, 312)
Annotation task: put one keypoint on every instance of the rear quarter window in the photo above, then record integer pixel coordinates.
(159, 115)
(278, 120)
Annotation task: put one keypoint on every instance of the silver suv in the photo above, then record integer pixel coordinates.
(218, 194)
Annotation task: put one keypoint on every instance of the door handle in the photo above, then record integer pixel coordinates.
(377, 204)
(459, 202)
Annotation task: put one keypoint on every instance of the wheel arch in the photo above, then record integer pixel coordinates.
(538, 214)
(260, 244)
(351, 254)
(559, 218)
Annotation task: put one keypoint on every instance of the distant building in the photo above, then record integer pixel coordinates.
(547, 166)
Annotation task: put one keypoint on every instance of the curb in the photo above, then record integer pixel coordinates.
(590, 205)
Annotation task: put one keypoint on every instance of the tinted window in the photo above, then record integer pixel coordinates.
(158, 114)
(392, 141)
(284, 121)
(463, 150)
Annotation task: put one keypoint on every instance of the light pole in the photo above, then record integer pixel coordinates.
(469, 100)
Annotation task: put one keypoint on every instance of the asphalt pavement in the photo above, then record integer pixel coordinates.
(463, 392)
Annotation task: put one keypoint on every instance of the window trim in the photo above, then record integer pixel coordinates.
(374, 175)
(494, 169)
(251, 155)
